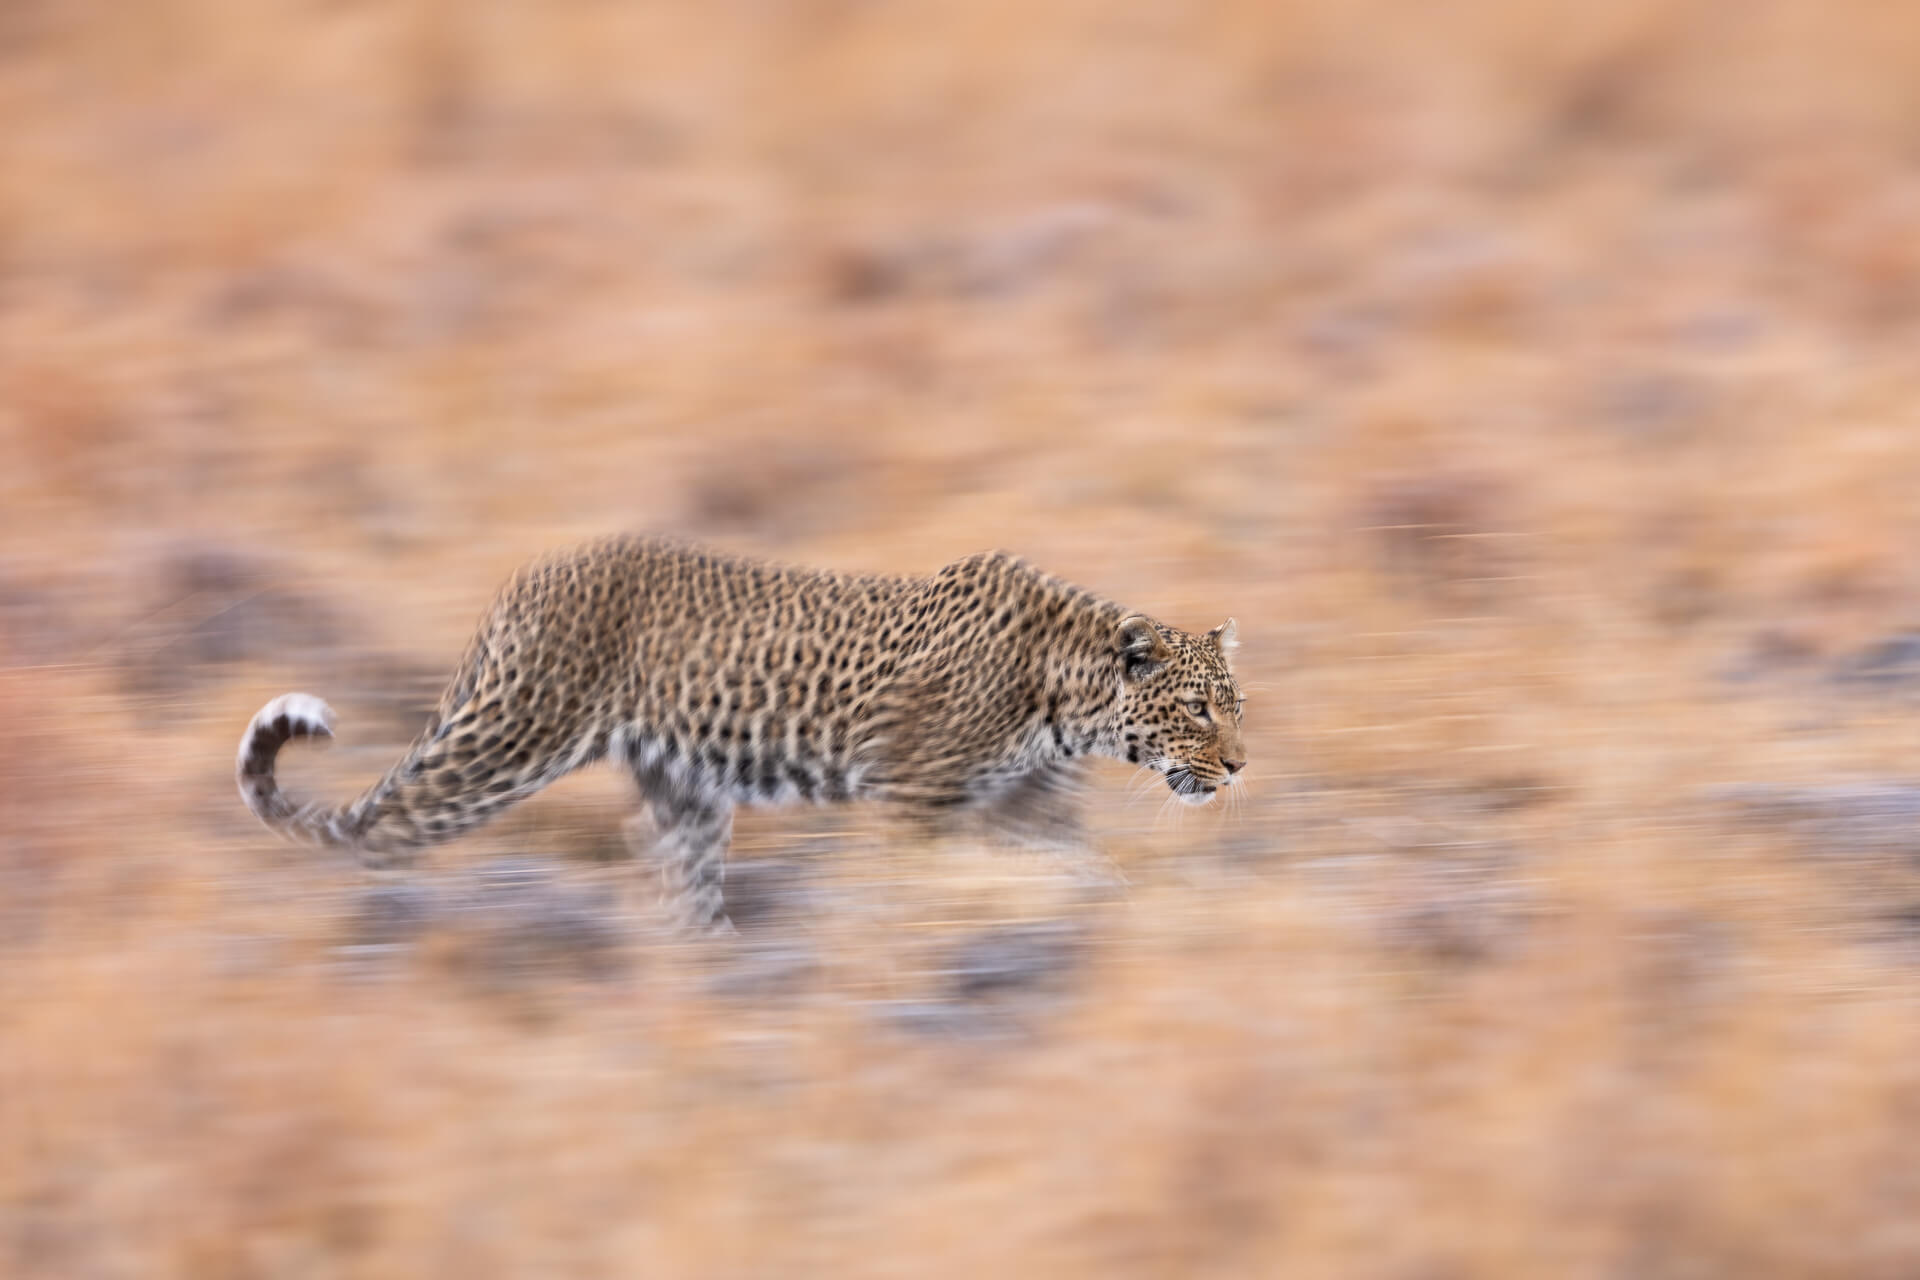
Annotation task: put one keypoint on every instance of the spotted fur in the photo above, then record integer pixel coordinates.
(717, 680)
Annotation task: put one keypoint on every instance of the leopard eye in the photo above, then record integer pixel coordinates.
(1197, 709)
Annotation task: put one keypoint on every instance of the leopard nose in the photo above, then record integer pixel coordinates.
(1233, 766)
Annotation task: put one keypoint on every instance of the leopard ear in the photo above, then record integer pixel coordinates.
(1225, 638)
(1141, 646)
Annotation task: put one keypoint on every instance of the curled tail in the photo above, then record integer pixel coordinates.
(289, 716)
(452, 779)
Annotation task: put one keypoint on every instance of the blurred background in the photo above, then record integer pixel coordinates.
(1536, 383)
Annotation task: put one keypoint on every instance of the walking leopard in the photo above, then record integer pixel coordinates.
(718, 680)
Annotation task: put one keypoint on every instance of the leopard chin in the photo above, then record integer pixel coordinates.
(1190, 789)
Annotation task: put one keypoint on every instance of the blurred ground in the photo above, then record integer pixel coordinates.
(1536, 383)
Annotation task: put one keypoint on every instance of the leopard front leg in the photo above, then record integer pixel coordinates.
(693, 845)
(691, 836)
(1043, 810)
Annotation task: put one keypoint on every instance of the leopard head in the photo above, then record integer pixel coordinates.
(1180, 705)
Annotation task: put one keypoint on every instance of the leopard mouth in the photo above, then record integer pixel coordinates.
(1191, 790)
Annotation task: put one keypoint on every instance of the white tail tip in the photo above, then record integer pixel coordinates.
(306, 715)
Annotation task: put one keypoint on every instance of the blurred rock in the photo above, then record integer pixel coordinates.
(1871, 817)
(518, 919)
(1893, 663)
(1459, 926)
(1034, 957)
(504, 924)
(1464, 909)
(1769, 652)
(876, 273)
(992, 985)
(764, 890)
(944, 1020)
(1901, 925)
(211, 608)
(390, 912)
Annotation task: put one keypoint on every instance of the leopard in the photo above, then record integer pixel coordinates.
(719, 680)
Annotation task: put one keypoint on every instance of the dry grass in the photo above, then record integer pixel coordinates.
(1536, 386)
